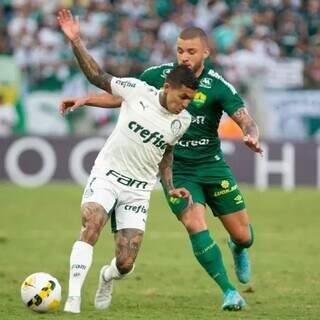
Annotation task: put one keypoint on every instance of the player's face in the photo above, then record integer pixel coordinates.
(177, 99)
(192, 53)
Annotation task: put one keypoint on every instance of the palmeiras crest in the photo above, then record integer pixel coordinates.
(176, 127)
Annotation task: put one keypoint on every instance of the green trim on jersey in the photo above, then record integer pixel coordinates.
(198, 153)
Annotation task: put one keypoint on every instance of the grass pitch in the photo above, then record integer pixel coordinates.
(39, 226)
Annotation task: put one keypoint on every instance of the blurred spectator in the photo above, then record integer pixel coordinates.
(8, 118)
(208, 13)
(126, 36)
(313, 70)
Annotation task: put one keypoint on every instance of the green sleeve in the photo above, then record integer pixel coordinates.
(229, 98)
(149, 77)
(156, 75)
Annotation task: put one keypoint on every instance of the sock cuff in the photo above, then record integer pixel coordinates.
(201, 242)
(199, 235)
(83, 246)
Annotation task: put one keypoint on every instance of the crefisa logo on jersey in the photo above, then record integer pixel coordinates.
(206, 83)
(176, 126)
(126, 83)
(165, 72)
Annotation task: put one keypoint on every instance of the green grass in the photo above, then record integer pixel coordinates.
(39, 226)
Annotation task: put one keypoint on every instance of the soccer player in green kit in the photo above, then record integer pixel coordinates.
(199, 164)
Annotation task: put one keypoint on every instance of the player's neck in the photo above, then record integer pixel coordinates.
(199, 71)
(163, 99)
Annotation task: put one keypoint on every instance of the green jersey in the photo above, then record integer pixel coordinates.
(198, 153)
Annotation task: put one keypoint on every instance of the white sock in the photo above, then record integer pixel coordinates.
(113, 273)
(80, 263)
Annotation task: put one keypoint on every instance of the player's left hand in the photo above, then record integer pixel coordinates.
(252, 143)
(71, 104)
(69, 25)
(180, 193)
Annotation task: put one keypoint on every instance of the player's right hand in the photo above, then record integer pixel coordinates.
(69, 25)
(70, 104)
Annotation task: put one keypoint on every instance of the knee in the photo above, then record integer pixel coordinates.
(192, 222)
(243, 237)
(124, 265)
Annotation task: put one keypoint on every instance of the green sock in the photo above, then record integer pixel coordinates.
(240, 246)
(209, 256)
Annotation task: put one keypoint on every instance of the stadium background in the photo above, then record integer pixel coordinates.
(269, 50)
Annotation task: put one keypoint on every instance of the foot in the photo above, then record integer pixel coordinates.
(233, 301)
(72, 305)
(104, 292)
(241, 263)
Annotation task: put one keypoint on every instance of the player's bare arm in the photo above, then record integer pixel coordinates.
(102, 100)
(71, 28)
(128, 242)
(249, 129)
(165, 170)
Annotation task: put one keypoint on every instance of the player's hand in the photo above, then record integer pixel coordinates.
(70, 104)
(181, 193)
(252, 143)
(69, 25)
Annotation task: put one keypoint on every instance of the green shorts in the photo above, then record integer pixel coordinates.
(222, 198)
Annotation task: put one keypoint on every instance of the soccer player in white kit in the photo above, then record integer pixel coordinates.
(151, 121)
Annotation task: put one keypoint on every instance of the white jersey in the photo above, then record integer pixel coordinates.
(135, 148)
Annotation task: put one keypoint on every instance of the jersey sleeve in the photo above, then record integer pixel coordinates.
(229, 98)
(149, 77)
(124, 87)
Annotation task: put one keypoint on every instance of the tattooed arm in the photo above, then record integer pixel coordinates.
(71, 28)
(249, 129)
(165, 170)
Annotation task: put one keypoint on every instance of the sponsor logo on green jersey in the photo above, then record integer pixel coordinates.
(193, 143)
(225, 191)
(225, 184)
(198, 119)
(199, 99)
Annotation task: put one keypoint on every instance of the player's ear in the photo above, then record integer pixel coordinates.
(166, 87)
(206, 53)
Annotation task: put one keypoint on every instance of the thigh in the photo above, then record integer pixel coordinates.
(128, 243)
(131, 210)
(100, 190)
(224, 197)
(179, 205)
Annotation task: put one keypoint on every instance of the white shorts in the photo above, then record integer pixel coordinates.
(127, 206)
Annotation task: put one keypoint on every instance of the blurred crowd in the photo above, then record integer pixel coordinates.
(125, 36)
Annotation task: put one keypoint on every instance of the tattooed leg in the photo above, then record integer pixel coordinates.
(128, 242)
(94, 217)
